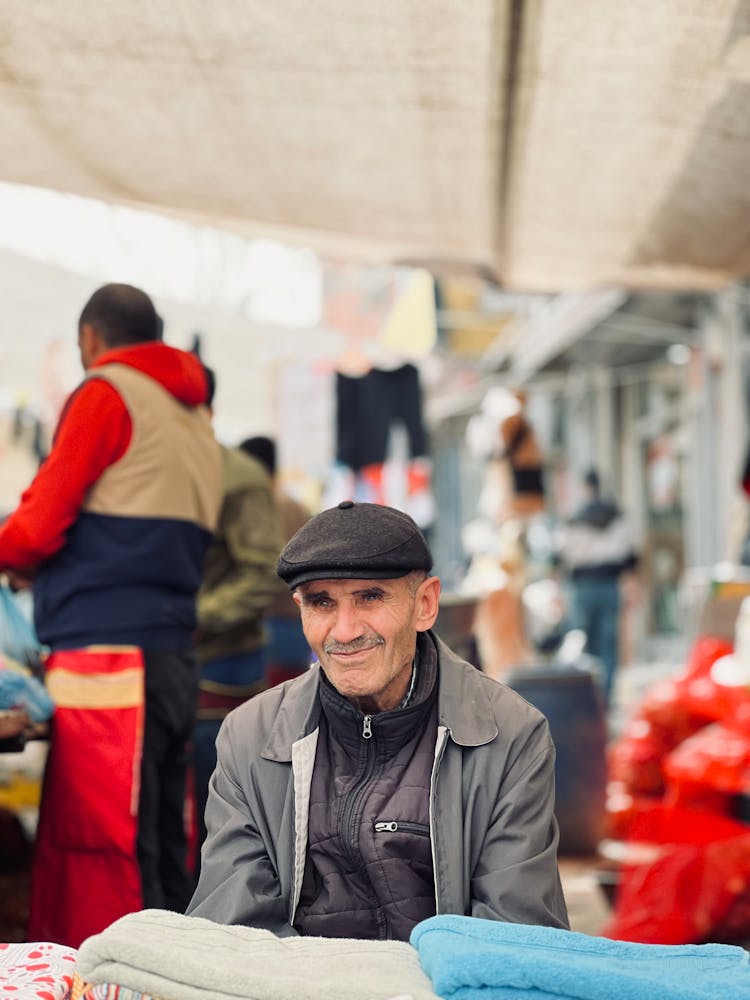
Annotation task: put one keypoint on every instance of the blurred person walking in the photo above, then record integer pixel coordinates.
(596, 548)
(239, 584)
(114, 530)
(288, 653)
(512, 495)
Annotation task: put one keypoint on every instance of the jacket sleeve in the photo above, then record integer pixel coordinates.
(94, 432)
(250, 524)
(516, 878)
(238, 882)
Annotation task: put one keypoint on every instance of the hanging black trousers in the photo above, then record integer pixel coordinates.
(367, 407)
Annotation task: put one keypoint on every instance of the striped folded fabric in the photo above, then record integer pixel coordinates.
(104, 991)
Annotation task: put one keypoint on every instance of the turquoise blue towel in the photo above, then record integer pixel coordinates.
(468, 958)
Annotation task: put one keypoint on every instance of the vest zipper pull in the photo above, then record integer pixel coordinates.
(367, 727)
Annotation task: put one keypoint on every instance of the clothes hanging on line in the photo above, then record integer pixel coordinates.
(366, 409)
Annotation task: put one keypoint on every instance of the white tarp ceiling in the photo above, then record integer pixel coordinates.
(553, 144)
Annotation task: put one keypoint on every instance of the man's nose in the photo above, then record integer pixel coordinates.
(347, 625)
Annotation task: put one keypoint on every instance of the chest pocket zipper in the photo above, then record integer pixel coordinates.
(421, 829)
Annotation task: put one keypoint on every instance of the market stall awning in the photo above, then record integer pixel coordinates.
(552, 145)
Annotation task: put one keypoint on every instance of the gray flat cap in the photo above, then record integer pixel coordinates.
(354, 541)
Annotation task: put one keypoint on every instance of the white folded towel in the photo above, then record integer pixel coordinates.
(173, 957)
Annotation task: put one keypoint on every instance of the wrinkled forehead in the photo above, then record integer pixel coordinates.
(344, 588)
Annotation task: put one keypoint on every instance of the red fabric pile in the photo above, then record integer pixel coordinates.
(676, 777)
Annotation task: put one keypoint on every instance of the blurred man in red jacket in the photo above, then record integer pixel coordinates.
(113, 530)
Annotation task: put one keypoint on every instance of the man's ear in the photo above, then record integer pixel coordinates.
(297, 598)
(427, 603)
(91, 344)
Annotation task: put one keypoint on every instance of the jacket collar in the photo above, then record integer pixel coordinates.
(463, 706)
(297, 717)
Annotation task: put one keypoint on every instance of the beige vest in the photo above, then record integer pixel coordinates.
(172, 468)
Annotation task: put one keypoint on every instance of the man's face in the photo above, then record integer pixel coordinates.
(364, 633)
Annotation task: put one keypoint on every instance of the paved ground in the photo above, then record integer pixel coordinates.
(588, 908)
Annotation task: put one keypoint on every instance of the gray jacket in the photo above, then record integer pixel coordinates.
(493, 832)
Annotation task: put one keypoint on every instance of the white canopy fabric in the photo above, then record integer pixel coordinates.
(555, 145)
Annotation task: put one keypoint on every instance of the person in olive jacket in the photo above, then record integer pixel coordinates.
(239, 585)
(390, 782)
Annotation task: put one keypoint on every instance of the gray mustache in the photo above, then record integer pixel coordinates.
(363, 642)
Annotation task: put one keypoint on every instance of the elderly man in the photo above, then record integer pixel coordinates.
(392, 780)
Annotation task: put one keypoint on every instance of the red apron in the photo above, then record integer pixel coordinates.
(85, 872)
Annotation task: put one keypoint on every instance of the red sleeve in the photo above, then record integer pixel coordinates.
(93, 433)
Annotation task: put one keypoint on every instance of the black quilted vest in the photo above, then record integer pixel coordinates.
(368, 871)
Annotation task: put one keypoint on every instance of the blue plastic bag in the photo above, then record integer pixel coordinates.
(21, 691)
(18, 639)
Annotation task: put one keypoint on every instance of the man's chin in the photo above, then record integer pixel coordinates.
(350, 677)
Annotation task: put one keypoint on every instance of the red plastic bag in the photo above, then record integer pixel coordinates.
(695, 885)
(717, 757)
(671, 711)
(620, 809)
(634, 761)
(705, 651)
(719, 694)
